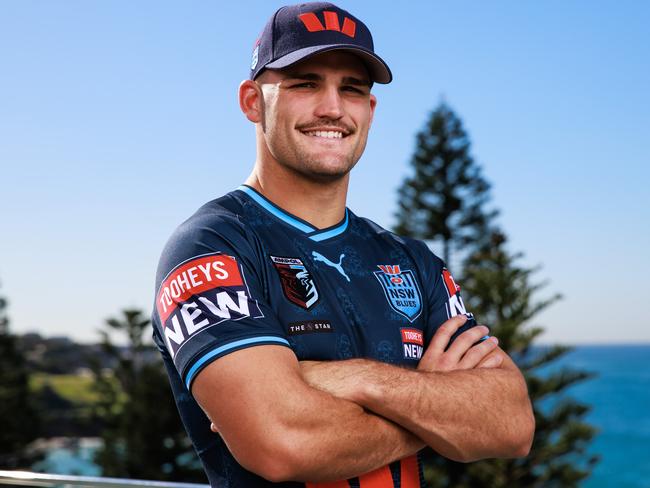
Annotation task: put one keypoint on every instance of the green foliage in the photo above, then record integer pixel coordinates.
(65, 403)
(142, 433)
(74, 388)
(19, 423)
(499, 291)
(445, 198)
(502, 294)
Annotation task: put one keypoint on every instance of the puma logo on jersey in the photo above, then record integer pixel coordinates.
(337, 266)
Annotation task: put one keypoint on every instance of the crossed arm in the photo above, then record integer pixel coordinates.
(311, 421)
(279, 427)
(467, 403)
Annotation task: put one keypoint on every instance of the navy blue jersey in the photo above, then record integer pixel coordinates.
(242, 272)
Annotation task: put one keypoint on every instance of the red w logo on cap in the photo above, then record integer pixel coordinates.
(313, 24)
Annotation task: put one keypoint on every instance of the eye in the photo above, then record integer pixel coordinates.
(306, 84)
(353, 89)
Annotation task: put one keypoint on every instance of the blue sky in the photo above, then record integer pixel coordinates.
(118, 119)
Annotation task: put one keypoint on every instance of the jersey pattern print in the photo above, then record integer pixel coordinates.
(242, 272)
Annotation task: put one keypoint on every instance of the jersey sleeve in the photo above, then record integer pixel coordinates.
(443, 297)
(210, 295)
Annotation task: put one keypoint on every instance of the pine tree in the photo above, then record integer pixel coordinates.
(499, 291)
(445, 198)
(19, 423)
(142, 432)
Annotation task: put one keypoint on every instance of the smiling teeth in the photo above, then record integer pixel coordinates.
(329, 134)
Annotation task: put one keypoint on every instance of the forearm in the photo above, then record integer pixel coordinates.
(464, 415)
(279, 427)
(338, 440)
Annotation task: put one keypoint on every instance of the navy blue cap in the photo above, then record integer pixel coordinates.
(296, 32)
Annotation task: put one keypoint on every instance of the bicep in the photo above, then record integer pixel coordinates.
(247, 395)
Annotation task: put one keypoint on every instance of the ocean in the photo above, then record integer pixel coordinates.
(620, 399)
(619, 396)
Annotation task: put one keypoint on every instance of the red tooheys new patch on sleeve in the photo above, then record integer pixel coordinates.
(202, 292)
(455, 304)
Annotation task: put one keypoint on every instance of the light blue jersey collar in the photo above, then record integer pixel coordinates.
(312, 232)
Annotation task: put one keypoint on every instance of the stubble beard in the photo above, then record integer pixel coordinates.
(318, 171)
(299, 160)
(305, 165)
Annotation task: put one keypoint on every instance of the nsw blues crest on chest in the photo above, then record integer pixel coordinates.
(401, 290)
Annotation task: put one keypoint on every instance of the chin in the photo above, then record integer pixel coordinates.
(324, 174)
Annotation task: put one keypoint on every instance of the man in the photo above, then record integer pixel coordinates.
(316, 342)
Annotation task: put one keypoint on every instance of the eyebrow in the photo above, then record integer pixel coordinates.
(347, 80)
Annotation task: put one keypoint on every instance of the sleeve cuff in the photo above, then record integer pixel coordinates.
(226, 349)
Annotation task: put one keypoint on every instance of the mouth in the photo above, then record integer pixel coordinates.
(326, 132)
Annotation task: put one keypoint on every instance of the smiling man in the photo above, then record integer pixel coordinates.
(324, 350)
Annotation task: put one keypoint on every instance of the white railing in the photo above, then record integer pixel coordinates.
(27, 478)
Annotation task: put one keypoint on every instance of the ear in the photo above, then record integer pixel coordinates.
(250, 100)
(373, 104)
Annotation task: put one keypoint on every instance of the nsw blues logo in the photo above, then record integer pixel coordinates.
(401, 290)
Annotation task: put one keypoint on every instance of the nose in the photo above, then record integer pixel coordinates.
(330, 104)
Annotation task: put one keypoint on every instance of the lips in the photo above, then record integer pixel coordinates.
(330, 131)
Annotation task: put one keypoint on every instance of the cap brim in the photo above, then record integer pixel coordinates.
(377, 68)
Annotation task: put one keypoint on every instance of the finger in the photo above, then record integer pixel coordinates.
(493, 362)
(478, 353)
(465, 341)
(442, 336)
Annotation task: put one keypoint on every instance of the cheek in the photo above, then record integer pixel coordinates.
(282, 122)
(362, 115)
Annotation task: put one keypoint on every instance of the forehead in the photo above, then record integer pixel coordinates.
(335, 63)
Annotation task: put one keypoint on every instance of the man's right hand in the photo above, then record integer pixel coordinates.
(464, 353)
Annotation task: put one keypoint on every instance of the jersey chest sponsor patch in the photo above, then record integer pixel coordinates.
(200, 292)
(412, 342)
(401, 290)
(297, 283)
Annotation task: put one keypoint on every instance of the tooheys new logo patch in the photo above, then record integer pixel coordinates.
(401, 290)
(297, 284)
(455, 305)
(412, 342)
(202, 292)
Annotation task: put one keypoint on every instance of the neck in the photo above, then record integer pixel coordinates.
(320, 204)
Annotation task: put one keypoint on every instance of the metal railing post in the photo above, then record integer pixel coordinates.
(28, 478)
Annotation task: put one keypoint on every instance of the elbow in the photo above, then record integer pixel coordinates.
(272, 468)
(297, 458)
(520, 449)
(270, 462)
(521, 436)
(515, 442)
(522, 430)
(276, 460)
(526, 435)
